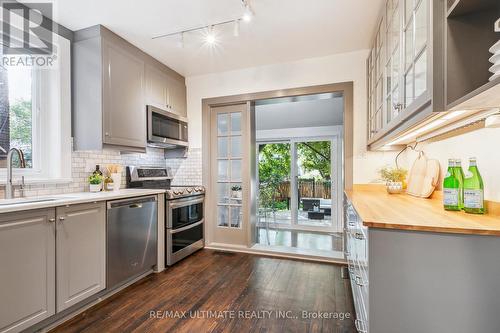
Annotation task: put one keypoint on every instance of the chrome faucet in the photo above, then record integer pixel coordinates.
(9, 188)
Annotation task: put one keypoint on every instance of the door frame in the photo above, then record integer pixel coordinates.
(345, 88)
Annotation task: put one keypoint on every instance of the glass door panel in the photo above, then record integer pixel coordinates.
(314, 183)
(229, 174)
(274, 172)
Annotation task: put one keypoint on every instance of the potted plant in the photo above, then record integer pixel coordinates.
(236, 191)
(95, 181)
(395, 179)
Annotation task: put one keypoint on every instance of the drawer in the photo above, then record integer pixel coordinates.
(360, 295)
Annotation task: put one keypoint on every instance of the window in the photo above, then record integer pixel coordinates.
(16, 111)
(35, 108)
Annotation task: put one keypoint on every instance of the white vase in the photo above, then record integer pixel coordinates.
(95, 187)
(117, 180)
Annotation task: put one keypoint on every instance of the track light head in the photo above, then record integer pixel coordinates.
(248, 13)
(210, 37)
(236, 28)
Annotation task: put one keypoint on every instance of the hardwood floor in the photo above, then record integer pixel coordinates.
(226, 292)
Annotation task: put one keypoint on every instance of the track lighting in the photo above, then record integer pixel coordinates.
(209, 35)
(180, 43)
(236, 28)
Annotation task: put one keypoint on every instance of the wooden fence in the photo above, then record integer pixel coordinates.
(308, 188)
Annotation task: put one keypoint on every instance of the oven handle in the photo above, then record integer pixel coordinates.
(184, 202)
(174, 231)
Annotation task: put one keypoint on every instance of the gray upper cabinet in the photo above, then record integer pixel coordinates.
(113, 81)
(164, 89)
(156, 87)
(405, 67)
(177, 96)
(124, 119)
(81, 252)
(27, 261)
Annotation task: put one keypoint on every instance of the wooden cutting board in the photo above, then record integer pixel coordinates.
(423, 177)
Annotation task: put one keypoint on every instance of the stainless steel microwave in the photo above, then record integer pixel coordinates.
(166, 129)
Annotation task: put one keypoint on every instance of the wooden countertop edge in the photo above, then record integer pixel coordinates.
(473, 228)
(437, 229)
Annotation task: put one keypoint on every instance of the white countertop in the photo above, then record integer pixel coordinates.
(21, 204)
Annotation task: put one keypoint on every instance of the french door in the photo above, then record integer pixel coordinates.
(228, 202)
(298, 183)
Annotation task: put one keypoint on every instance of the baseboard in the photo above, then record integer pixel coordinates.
(244, 249)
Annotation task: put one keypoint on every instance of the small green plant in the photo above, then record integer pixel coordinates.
(236, 188)
(393, 174)
(95, 179)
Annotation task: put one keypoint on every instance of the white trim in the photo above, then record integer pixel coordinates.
(51, 122)
(298, 132)
(278, 253)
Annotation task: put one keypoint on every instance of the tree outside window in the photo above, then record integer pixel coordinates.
(16, 116)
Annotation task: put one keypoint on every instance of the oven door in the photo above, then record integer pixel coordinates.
(166, 129)
(185, 211)
(182, 242)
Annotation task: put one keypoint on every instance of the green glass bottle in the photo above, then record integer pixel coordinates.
(451, 188)
(459, 174)
(473, 189)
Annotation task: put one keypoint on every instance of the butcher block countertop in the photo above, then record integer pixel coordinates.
(378, 209)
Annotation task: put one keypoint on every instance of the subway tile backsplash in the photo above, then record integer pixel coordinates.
(186, 171)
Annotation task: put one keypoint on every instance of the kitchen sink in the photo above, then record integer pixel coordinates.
(24, 201)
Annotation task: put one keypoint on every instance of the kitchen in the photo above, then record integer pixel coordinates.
(159, 115)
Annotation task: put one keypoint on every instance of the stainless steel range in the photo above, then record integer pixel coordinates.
(184, 205)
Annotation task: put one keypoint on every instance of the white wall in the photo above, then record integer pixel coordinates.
(314, 113)
(308, 72)
(482, 144)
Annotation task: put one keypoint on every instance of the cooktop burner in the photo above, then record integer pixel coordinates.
(154, 178)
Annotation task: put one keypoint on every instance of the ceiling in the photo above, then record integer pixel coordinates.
(306, 113)
(281, 30)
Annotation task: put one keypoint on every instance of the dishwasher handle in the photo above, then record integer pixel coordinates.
(131, 203)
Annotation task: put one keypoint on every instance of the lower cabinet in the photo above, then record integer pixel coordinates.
(356, 252)
(81, 252)
(27, 264)
(50, 259)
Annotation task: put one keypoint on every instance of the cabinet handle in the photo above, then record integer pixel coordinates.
(359, 236)
(52, 220)
(359, 281)
(358, 323)
(106, 134)
(62, 218)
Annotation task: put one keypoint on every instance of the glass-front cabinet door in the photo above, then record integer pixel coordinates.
(398, 65)
(415, 49)
(392, 65)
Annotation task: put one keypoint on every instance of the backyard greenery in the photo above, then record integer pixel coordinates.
(20, 128)
(274, 171)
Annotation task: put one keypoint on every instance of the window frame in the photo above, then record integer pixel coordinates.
(51, 122)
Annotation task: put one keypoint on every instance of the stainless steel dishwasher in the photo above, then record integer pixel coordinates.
(131, 234)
